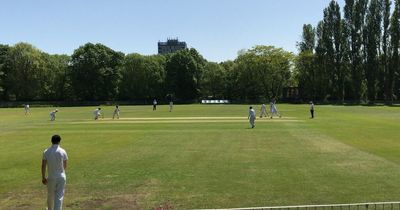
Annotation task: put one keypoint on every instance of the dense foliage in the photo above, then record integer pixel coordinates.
(353, 54)
(96, 72)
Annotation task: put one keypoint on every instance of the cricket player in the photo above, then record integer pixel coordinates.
(26, 107)
(116, 112)
(273, 109)
(171, 105)
(312, 109)
(252, 117)
(263, 111)
(55, 160)
(154, 104)
(53, 115)
(97, 113)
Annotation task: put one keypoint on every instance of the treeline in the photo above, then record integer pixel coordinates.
(97, 72)
(352, 54)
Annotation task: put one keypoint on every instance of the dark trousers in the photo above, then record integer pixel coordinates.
(312, 113)
(154, 107)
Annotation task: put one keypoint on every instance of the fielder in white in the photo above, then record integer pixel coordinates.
(154, 104)
(116, 112)
(26, 107)
(171, 106)
(55, 160)
(97, 113)
(263, 111)
(252, 117)
(274, 110)
(53, 115)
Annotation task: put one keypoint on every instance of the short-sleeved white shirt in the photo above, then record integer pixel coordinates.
(55, 156)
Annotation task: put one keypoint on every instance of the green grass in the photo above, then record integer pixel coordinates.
(346, 154)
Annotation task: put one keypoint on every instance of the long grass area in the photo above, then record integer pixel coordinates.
(204, 156)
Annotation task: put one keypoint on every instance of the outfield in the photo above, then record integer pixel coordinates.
(204, 156)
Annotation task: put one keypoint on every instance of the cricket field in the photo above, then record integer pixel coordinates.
(203, 156)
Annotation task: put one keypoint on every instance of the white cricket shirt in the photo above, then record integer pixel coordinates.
(252, 113)
(55, 156)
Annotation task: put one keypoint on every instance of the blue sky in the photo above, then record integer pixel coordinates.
(218, 29)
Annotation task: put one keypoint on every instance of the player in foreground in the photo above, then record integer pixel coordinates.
(264, 111)
(116, 112)
(53, 115)
(97, 113)
(273, 110)
(252, 117)
(55, 160)
(26, 108)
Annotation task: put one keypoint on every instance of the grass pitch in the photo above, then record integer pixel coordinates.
(204, 156)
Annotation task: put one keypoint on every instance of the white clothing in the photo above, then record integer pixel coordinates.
(154, 102)
(55, 193)
(55, 156)
(252, 113)
(312, 106)
(53, 115)
(116, 113)
(263, 110)
(171, 104)
(252, 117)
(273, 110)
(26, 107)
(272, 107)
(97, 113)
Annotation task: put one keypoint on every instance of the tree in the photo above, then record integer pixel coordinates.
(24, 72)
(321, 57)
(95, 72)
(4, 50)
(394, 48)
(213, 80)
(306, 75)
(262, 72)
(354, 16)
(231, 90)
(373, 38)
(305, 64)
(308, 39)
(332, 38)
(142, 77)
(384, 74)
(183, 74)
(57, 84)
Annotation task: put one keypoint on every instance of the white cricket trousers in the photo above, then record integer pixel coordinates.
(55, 193)
(252, 121)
